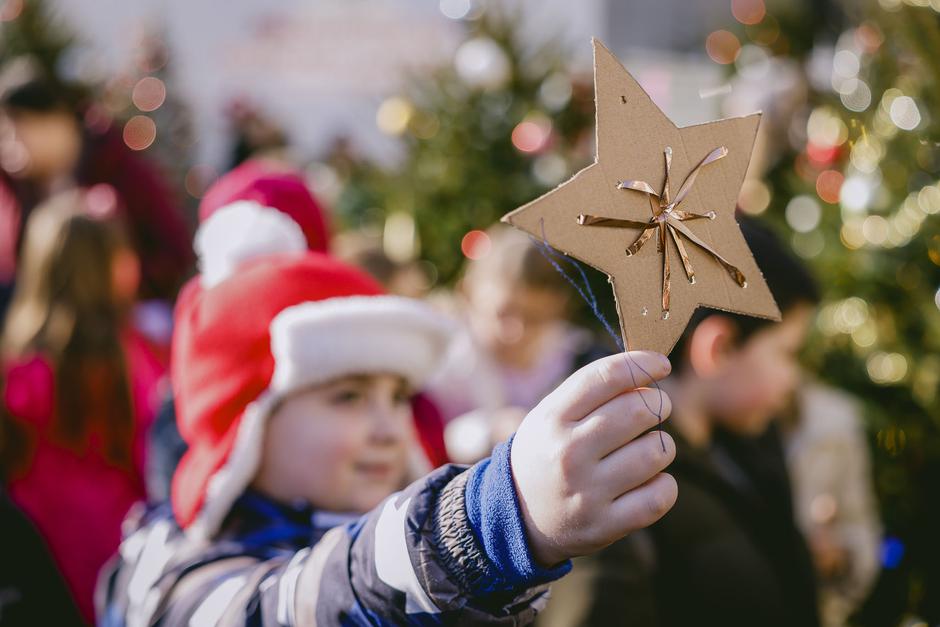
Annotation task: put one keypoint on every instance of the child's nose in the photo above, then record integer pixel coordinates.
(388, 427)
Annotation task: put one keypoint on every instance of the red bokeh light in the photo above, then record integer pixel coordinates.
(139, 132)
(475, 245)
(748, 11)
(822, 155)
(530, 136)
(722, 46)
(829, 184)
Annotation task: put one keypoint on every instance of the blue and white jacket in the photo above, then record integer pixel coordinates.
(448, 550)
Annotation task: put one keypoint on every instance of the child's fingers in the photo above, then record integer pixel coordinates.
(635, 464)
(600, 381)
(642, 506)
(621, 420)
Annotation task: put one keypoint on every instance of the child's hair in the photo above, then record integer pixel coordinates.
(514, 257)
(788, 278)
(25, 89)
(65, 309)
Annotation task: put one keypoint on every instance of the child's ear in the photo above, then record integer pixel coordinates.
(712, 342)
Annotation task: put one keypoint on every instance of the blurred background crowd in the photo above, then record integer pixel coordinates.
(416, 125)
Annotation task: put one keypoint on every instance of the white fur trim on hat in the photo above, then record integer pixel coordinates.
(230, 481)
(316, 342)
(241, 231)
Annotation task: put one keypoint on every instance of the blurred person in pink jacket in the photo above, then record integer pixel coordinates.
(79, 384)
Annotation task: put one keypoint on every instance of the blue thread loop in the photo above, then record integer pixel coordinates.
(587, 295)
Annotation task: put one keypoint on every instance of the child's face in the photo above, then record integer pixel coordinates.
(40, 145)
(757, 379)
(511, 319)
(342, 446)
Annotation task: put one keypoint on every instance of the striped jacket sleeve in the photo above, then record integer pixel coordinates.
(413, 560)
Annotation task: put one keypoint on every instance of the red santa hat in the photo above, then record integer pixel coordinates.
(270, 186)
(284, 323)
(252, 211)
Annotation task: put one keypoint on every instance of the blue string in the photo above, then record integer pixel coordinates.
(550, 254)
(587, 295)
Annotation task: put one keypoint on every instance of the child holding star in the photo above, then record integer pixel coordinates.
(292, 382)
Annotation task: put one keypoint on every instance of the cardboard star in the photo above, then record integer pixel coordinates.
(655, 211)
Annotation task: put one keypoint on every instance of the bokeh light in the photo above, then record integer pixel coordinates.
(532, 134)
(886, 368)
(875, 230)
(198, 179)
(139, 132)
(748, 11)
(856, 193)
(549, 169)
(722, 46)
(149, 93)
(855, 95)
(904, 113)
(555, 92)
(867, 154)
(803, 213)
(846, 64)
(869, 37)
(754, 197)
(11, 10)
(455, 9)
(829, 185)
(851, 233)
(892, 552)
(101, 200)
(482, 63)
(825, 128)
(475, 245)
(393, 115)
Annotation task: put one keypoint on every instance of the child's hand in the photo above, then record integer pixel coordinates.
(584, 472)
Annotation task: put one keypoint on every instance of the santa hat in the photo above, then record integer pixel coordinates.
(284, 323)
(252, 211)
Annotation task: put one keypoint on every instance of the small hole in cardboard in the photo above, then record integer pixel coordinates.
(623, 99)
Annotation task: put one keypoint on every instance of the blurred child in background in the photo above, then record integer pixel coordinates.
(834, 496)
(50, 143)
(518, 344)
(730, 552)
(80, 385)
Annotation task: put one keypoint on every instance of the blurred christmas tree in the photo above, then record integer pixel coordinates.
(852, 180)
(500, 125)
(136, 99)
(29, 30)
(155, 119)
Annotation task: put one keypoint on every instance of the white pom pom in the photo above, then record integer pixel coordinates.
(241, 231)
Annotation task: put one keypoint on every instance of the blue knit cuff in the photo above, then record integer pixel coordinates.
(496, 520)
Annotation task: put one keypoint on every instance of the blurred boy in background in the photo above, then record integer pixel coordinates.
(730, 552)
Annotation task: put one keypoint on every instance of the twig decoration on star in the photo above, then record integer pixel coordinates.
(668, 218)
